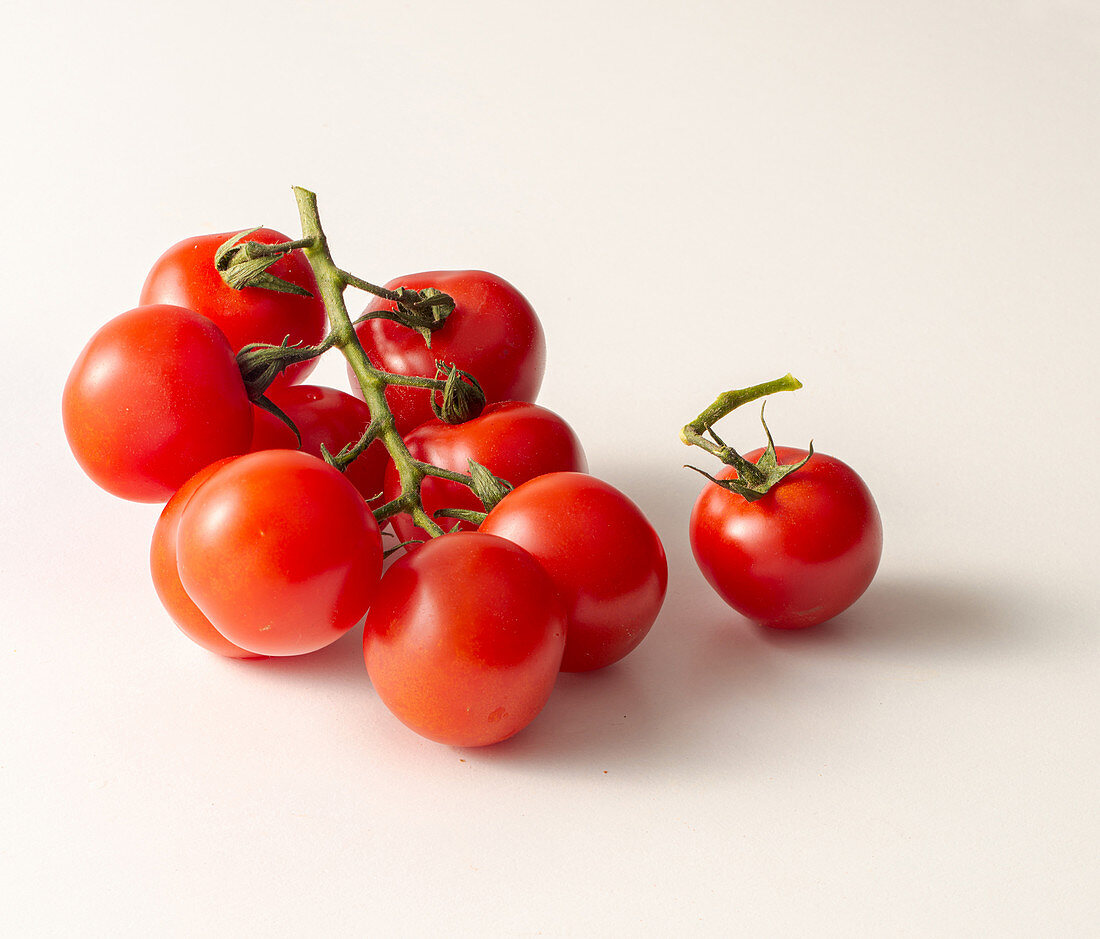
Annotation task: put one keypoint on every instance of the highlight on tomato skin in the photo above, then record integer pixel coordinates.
(154, 397)
(280, 552)
(602, 554)
(493, 333)
(166, 578)
(464, 639)
(799, 555)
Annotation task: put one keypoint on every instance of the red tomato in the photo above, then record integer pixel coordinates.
(493, 333)
(270, 433)
(155, 396)
(464, 639)
(185, 275)
(797, 556)
(166, 577)
(333, 418)
(279, 551)
(514, 440)
(602, 555)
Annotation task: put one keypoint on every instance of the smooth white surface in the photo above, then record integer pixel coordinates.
(897, 202)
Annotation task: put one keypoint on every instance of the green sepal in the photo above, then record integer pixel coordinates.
(754, 479)
(488, 488)
(463, 397)
(239, 267)
(466, 515)
(262, 401)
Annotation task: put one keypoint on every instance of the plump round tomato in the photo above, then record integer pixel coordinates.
(493, 333)
(155, 396)
(602, 555)
(513, 439)
(279, 552)
(166, 577)
(185, 276)
(464, 639)
(330, 417)
(797, 556)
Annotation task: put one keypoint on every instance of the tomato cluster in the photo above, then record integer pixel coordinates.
(278, 494)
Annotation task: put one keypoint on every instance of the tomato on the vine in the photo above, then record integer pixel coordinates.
(279, 552)
(512, 439)
(329, 417)
(464, 639)
(492, 333)
(798, 555)
(185, 276)
(602, 554)
(166, 577)
(155, 396)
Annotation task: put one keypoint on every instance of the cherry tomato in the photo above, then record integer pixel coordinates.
(166, 577)
(155, 396)
(514, 440)
(333, 418)
(185, 275)
(279, 552)
(270, 433)
(602, 555)
(798, 555)
(464, 639)
(493, 333)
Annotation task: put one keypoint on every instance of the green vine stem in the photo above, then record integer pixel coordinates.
(755, 479)
(331, 283)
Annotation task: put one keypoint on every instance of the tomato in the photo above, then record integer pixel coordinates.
(166, 578)
(464, 639)
(493, 333)
(330, 417)
(185, 275)
(515, 440)
(270, 433)
(797, 556)
(602, 555)
(279, 552)
(155, 396)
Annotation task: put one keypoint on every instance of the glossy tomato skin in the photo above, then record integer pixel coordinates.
(464, 639)
(185, 275)
(515, 440)
(602, 554)
(797, 556)
(154, 397)
(333, 418)
(493, 333)
(166, 579)
(279, 552)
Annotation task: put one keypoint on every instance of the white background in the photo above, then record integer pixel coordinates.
(898, 202)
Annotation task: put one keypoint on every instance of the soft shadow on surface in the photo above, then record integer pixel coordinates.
(336, 663)
(922, 619)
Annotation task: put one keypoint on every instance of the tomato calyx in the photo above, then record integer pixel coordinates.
(753, 479)
(245, 264)
(424, 310)
(462, 399)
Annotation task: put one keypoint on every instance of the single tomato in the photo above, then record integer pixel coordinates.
(492, 333)
(464, 639)
(798, 555)
(279, 552)
(512, 439)
(166, 578)
(154, 397)
(185, 275)
(600, 551)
